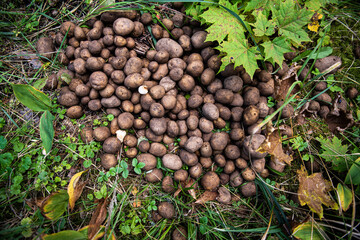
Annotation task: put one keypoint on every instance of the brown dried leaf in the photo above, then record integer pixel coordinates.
(207, 196)
(282, 85)
(75, 189)
(313, 191)
(273, 146)
(97, 218)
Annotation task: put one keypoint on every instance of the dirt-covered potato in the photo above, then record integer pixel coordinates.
(68, 99)
(172, 161)
(185, 42)
(251, 144)
(157, 149)
(138, 29)
(101, 133)
(323, 98)
(166, 210)
(146, 18)
(248, 189)
(241, 163)
(187, 83)
(125, 120)
(195, 171)
(237, 134)
(236, 179)
(134, 80)
(181, 175)
(287, 111)
(86, 134)
(250, 115)
(172, 47)
(219, 141)
(162, 56)
(108, 160)
(158, 125)
(224, 196)
(75, 112)
(198, 40)
(67, 27)
(224, 96)
(352, 93)
(111, 102)
(248, 174)
(167, 184)
(144, 146)
(45, 47)
(193, 144)
(149, 160)
(123, 26)
(233, 83)
(180, 233)
(195, 68)
(188, 158)
(111, 145)
(154, 175)
(98, 80)
(210, 181)
(258, 165)
(133, 65)
(251, 96)
(210, 111)
(325, 63)
(94, 105)
(172, 129)
(232, 152)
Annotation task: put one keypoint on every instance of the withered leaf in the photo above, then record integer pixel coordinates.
(97, 218)
(282, 85)
(75, 189)
(273, 146)
(313, 191)
(54, 205)
(207, 196)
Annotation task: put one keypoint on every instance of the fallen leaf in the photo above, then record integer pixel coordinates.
(353, 176)
(137, 203)
(75, 189)
(308, 230)
(339, 119)
(313, 191)
(67, 234)
(345, 196)
(97, 218)
(134, 191)
(282, 85)
(273, 146)
(54, 205)
(99, 234)
(207, 196)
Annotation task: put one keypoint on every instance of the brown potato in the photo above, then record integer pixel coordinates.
(198, 40)
(111, 145)
(181, 175)
(258, 165)
(176, 63)
(180, 232)
(205, 125)
(193, 144)
(210, 181)
(45, 47)
(75, 112)
(67, 27)
(195, 68)
(236, 179)
(210, 111)
(162, 56)
(144, 146)
(68, 99)
(149, 160)
(161, 72)
(101, 133)
(224, 196)
(195, 171)
(185, 42)
(125, 120)
(157, 110)
(219, 140)
(94, 105)
(166, 210)
(168, 102)
(233, 83)
(123, 26)
(146, 18)
(133, 65)
(169, 45)
(251, 96)
(220, 160)
(134, 80)
(251, 144)
(154, 175)
(108, 160)
(172, 161)
(158, 125)
(248, 189)
(111, 102)
(172, 129)
(251, 115)
(98, 80)
(157, 149)
(188, 158)
(157, 31)
(86, 134)
(95, 47)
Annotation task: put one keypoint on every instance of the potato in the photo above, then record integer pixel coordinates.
(258, 165)
(157, 92)
(114, 111)
(125, 120)
(251, 144)
(173, 48)
(237, 134)
(167, 83)
(224, 96)
(251, 96)
(287, 111)
(133, 65)
(236, 179)
(161, 72)
(138, 29)
(95, 47)
(263, 108)
(187, 83)
(185, 42)
(86, 134)
(123, 26)
(352, 92)
(75, 112)
(323, 98)
(224, 196)
(172, 129)
(219, 140)
(206, 150)
(210, 111)
(251, 115)
(68, 99)
(215, 86)
(195, 68)
(154, 175)
(248, 189)
(144, 146)
(324, 111)
(162, 56)
(232, 152)
(101, 133)
(278, 166)
(157, 31)
(181, 175)
(67, 27)
(134, 80)
(118, 76)
(158, 125)
(63, 59)
(206, 162)
(214, 62)
(248, 174)
(168, 102)
(176, 63)
(327, 62)
(188, 158)
(180, 233)
(98, 80)
(111, 102)
(233, 83)
(146, 101)
(157, 110)
(220, 160)
(51, 82)
(107, 92)
(241, 163)
(157, 149)
(266, 88)
(193, 144)
(210, 181)
(153, 66)
(205, 125)
(172, 161)
(45, 47)
(108, 160)
(146, 18)
(198, 40)
(192, 122)
(195, 171)
(149, 160)
(94, 105)
(166, 210)
(111, 145)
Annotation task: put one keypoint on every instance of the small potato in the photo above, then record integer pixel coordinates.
(125, 120)
(123, 26)
(258, 165)
(45, 47)
(180, 232)
(117, 63)
(133, 65)
(67, 28)
(176, 63)
(214, 62)
(193, 144)
(108, 160)
(118, 76)
(162, 56)
(98, 80)
(188, 158)
(195, 68)
(107, 92)
(206, 162)
(101, 133)
(251, 115)
(181, 175)
(172, 129)
(198, 40)
(161, 72)
(241, 163)
(287, 111)
(219, 140)
(267, 88)
(149, 160)
(139, 124)
(210, 181)
(215, 86)
(236, 179)
(210, 111)
(237, 134)
(157, 31)
(146, 18)
(158, 125)
(134, 80)
(123, 93)
(154, 175)
(144, 146)
(248, 174)
(169, 45)
(224, 96)
(111, 102)
(206, 150)
(95, 47)
(94, 105)
(224, 196)
(187, 83)
(233, 83)
(205, 125)
(86, 134)
(251, 96)
(168, 102)
(220, 160)
(130, 140)
(68, 99)
(157, 92)
(195, 171)
(166, 210)
(111, 145)
(192, 122)
(157, 110)
(75, 112)
(138, 29)
(248, 189)
(232, 152)
(172, 161)
(251, 144)
(185, 42)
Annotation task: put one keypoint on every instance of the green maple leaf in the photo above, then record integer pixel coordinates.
(256, 4)
(334, 152)
(240, 53)
(263, 26)
(274, 51)
(223, 23)
(290, 21)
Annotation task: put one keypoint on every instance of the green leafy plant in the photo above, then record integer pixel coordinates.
(152, 206)
(137, 166)
(258, 30)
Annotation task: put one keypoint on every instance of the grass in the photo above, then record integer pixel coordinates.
(34, 176)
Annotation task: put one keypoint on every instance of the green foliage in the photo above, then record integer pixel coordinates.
(353, 176)
(262, 30)
(103, 193)
(152, 206)
(137, 166)
(334, 151)
(56, 205)
(31, 97)
(47, 130)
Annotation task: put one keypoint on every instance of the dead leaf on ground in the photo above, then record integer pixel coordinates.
(339, 119)
(75, 189)
(282, 85)
(273, 146)
(54, 205)
(98, 218)
(313, 191)
(207, 196)
(189, 184)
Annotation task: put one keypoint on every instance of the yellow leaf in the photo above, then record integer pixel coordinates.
(134, 191)
(74, 189)
(313, 191)
(308, 230)
(314, 26)
(99, 234)
(345, 196)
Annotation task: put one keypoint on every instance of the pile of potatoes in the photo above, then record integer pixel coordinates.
(173, 97)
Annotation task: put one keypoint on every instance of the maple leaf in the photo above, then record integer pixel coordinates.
(273, 146)
(313, 191)
(240, 53)
(223, 23)
(256, 4)
(290, 21)
(334, 152)
(263, 26)
(274, 51)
